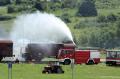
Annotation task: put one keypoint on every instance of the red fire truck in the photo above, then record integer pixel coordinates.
(113, 57)
(37, 51)
(65, 53)
(65, 56)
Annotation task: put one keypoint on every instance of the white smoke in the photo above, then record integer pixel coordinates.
(39, 27)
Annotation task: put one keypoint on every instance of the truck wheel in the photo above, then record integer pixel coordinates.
(90, 62)
(67, 62)
(59, 70)
(108, 63)
(111, 63)
(43, 72)
(49, 72)
(114, 63)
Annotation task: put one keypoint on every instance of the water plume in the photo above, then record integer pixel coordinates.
(39, 28)
(3, 34)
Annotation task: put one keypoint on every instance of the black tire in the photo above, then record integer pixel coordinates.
(67, 62)
(59, 71)
(49, 72)
(111, 63)
(90, 62)
(114, 64)
(43, 72)
(108, 63)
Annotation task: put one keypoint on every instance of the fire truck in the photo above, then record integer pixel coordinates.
(37, 51)
(66, 56)
(6, 48)
(65, 53)
(113, 57)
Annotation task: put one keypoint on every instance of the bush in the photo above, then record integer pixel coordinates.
(55, 6)
(11, 9)
(18, 1)
(23, 7)
(112, 18)
(109, 18)
(96, 37)
(69, 3)
(101, 18)
(40, 6)
(2, 18)
(19, 8)
(86, 23)
(79, 25)
(87, 8)
(4, 2)
(65, 17)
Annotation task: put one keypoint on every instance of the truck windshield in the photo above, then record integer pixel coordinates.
(67, 51)
(113, 54)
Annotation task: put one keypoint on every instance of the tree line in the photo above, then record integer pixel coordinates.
(103, 33)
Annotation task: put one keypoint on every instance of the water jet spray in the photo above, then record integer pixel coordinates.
(39, 28)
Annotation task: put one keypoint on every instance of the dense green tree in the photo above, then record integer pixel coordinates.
(105, 37)
(112, 17)
(4, 2)
(66, 18)
(40, 6)
(18, 1)
(118, 29)
(69, 3)
(87, 8)
(54, 6)
(108, 18)
(11, 9)
(101, 18)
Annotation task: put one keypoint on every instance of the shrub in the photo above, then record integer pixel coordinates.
(4, 2)
(55, 6)
(2, 18)
(65, 17)
(87, 8)
(112, 18)
(109, 18)
(19, 8)
(101, 18)
(11, 9)
(40, 6)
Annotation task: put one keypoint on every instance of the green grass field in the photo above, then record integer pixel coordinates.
(33, 71)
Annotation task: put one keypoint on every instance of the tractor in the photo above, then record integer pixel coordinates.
(53, 67)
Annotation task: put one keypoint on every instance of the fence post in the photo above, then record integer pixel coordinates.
(9, 70)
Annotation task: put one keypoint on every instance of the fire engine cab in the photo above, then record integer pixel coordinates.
(113, 57)
(66, 56)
